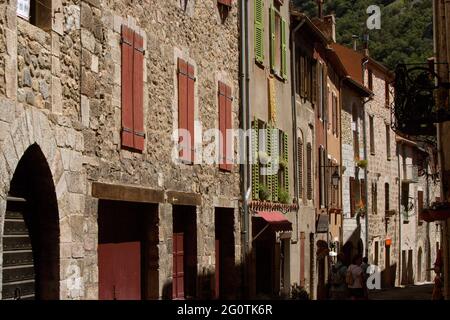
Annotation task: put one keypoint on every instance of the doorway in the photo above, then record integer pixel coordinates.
(225, 254)
(419, 265)
(31, 232)
(184, 284)
(127, 250)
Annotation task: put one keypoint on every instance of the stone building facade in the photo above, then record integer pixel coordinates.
(62, 113)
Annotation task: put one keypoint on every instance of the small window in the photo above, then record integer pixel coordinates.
(372, 135)
(387, 93)
(370, 79)
(309, 177)
(37, 12)
(224, 8)
(386, 197)
(374, 198)
(388, 142)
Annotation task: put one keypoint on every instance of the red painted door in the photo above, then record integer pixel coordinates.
(178, 266)
(119, 271)
(218, 261)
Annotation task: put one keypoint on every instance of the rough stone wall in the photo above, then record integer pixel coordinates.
(197, 35)
(353, 229)
(381, 170)
(69, 80)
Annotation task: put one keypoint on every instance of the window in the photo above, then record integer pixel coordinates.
(372, 135)
(259, 31)
(370, 79)
(352, 185)
(186, 89)
(283, 173)
(322, 165)
(420, 205)
(321, 91)
(374, 198)
(225, 126)
(278, 57)
(37, 12)
(309, 171)
(355, 120)
(386, 93)
(133, 136)
(388, 142)
(305, 71)
(376, 253)
(300, 164)
(335, 116)
(386, 197)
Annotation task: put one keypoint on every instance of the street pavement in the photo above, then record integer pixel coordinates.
(414, 292)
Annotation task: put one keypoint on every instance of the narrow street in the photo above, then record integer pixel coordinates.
(414, 292)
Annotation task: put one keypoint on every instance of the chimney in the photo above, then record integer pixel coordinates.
(366, 45)
(330, 22)
(320, 8)
(355, 42)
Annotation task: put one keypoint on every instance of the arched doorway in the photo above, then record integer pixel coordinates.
(348, 252)
(322, 265)
(419, 265)
(31, 232)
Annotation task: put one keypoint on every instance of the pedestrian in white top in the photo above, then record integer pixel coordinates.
(355, 279)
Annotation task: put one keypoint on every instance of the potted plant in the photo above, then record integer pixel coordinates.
(362, 164)
(361, 210)
(264, 192)
(283, 196)
(283, 163)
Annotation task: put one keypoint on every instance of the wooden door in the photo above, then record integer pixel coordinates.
(218, 270)
(119, 271)
(18, 263)
(178, 266)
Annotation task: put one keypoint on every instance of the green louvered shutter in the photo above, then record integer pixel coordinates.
(272, 37)
(283, 50)
(286, 158)
(255, 165)
(276, 147)
(270, 164)
(259, 31)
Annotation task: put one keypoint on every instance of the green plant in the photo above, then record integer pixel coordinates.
(264, 192)
(298, 292)
(283, 196)
(283, 163)
(362, 163)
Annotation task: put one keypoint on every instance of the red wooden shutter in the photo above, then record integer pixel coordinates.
(352, 196)
(183, 108)
(127, 87)
(225, 2)
(222, 126)
(190, 111)
(228, 126)
(138, 92)
(178, 266)
(363, 191)
(225, 126)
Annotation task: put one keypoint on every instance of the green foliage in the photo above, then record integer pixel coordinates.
(264, 193)
(283, 196)
(406, 33)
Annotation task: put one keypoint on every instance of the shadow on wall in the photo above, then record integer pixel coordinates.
(227, 287)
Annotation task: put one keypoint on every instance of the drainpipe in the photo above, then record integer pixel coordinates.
(245, 121)
(365, 157)
(399, 221)
(294, 117)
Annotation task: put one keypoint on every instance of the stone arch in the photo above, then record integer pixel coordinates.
(33, 129)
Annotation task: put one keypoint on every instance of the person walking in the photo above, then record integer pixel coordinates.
(355, 279)
(365, 269)
(339, 290)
